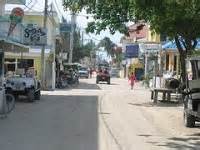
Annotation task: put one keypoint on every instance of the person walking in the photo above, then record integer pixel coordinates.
(90, 72)
(132, 79)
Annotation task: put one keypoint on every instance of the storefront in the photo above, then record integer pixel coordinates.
(7, 46)
(171, 58)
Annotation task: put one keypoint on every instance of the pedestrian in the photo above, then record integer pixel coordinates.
(91, 71)
(132, 79)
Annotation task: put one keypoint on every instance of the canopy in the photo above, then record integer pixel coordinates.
(10, 46)
(172, 45)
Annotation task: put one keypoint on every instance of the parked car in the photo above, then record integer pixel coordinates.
(115, 72)
(103, 75)
(83, 72)
(27, 86)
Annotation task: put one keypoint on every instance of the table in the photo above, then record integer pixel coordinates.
(164, 91)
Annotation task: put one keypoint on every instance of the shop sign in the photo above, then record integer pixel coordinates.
(16, 17)
(16, 2)
(65, 28)
(34, 35)
(152, 47)
(132, 51)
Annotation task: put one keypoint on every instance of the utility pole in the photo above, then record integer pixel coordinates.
(82, 38)
(73, 21)
(43, 47)
(146, 64)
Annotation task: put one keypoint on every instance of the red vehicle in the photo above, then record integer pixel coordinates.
(103, 75)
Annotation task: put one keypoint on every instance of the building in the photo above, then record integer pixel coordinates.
(146, 41)
(11, 39)
(171, 57)
(33, 20)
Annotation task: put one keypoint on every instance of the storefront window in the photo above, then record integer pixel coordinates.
(9, 65)
(25, 63)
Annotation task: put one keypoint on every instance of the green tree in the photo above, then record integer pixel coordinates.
(111, 49)
(177, 19)
(80, 51)
(108, 46)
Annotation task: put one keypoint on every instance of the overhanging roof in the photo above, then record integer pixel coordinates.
(172, 45)
(10, 46)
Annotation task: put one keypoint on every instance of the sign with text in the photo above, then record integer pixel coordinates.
(132, 51)
(16, 2)
(64, 27)
(34, 35)
(152, 47)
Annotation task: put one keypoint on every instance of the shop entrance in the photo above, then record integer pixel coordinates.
(15, 66)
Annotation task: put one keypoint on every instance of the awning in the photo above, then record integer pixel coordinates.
(14, 47)
(172, 45)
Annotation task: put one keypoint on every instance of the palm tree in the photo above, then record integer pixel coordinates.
(108, 46)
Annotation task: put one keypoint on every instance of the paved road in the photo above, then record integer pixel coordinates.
(97, 117)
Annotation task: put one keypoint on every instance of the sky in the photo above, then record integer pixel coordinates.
(38, 5)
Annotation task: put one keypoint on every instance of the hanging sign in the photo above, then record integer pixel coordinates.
(34, 35)
(132, 51)
(16, 17)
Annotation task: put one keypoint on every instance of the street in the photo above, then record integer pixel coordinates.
(97, 117)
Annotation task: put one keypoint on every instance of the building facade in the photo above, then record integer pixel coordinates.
(33, 20)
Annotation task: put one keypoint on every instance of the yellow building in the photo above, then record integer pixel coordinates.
(148, 41)
(32, 59)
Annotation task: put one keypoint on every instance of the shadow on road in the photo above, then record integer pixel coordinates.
(87, 86)
(191, 142)
(159, 104)
(182, 143)
(54, 123)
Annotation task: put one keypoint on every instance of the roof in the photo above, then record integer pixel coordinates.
(172, 45)
(11, 46)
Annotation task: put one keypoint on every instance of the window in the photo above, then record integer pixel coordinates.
(25, 63)
(9, 65)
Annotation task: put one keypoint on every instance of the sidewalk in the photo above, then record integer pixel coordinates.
(168, 116)
(134, 117)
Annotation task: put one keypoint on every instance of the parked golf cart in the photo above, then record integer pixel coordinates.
(71, 73)
(22, 85)
(192, 92)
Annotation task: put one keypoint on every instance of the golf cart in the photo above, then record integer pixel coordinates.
(192, 92)
(103, 74)
(71, 72)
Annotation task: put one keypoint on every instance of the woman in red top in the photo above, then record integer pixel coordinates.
(132, 79)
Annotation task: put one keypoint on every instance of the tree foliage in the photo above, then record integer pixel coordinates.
(81, 50)
(177, 19)
(111, 49)
(108, 45)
